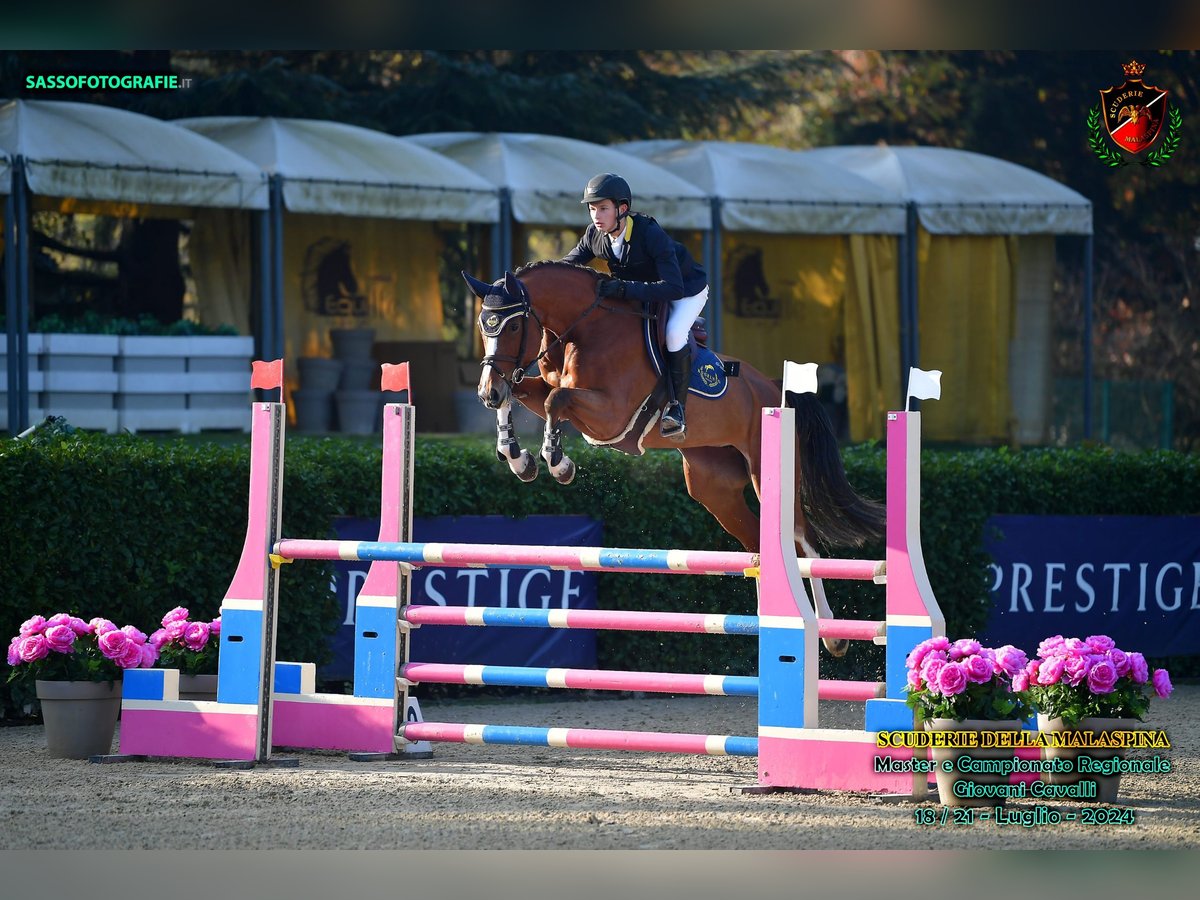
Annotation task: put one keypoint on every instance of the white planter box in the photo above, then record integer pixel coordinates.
(139, 383)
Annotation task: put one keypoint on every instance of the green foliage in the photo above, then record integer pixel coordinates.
(1170, 142)
(92, 322)
(993, 700)
(128, 528)
(1128, 700)
(1107, 154)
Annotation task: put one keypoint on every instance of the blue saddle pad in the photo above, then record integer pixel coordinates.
(708, 378)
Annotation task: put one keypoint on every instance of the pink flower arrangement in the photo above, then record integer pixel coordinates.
(190, 646)
(1092, 678)
(66, 648)
(963, 680)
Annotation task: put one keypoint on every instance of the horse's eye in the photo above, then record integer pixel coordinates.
(512, 326)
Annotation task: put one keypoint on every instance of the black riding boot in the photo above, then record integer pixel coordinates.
(679, 363)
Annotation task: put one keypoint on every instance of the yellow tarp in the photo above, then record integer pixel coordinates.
(393, 289)
(966, 300)
(823, 299)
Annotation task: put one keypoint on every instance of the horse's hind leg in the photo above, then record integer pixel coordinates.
(716, 478)
(835, 646)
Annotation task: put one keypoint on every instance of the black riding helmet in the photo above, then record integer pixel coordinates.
(607, 186)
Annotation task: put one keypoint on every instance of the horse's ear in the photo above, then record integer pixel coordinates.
(512, 286)
(479, 288)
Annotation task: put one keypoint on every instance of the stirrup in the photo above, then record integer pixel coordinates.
(673, 424)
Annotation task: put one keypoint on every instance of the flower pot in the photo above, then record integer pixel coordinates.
(356, 374)
(319, 373)
(358, 411)
(80, 716)
(197, 687)
(314, 410)
(959, 788)
(1106, 786)
(352, 343)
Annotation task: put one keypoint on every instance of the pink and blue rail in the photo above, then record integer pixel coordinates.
(584, 738)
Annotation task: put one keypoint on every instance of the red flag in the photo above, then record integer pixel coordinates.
(395, 378)
(267, 375)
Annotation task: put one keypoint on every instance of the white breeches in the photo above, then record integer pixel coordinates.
(679, 321)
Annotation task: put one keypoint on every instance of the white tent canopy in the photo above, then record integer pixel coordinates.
(545, 177)
(959, 192)
(331, 167)
(772, 189)
(99, 153)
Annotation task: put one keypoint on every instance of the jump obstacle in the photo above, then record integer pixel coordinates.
(254, 713)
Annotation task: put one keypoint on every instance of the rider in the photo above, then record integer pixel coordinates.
(647, 265)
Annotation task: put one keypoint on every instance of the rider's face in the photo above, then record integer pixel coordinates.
(604, 215)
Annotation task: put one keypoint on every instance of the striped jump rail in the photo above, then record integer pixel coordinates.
(616, 680)
(575, 559)
(626, 620)
(583, 738)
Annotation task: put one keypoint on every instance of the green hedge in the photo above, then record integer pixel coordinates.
(128, 528)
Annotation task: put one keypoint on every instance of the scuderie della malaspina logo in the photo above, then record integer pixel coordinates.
(1132, 120)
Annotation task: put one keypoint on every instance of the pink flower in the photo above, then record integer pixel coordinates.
(1075, 669)
(33, 625)
(1010, 660)
(196, 636)
(81, 627)
(113, 644)
(1139, 671)
(1100, 643)
(175, 628)
(178, 614)
(1051, 646)
(149, 654)
(102, 626)
(917, 657)
(14, 658)
(934, 664)
(1102, 677)
(159, 639)
(32, 647)
(1162, 683)
(138, 637)
(965, 647)
(952, 679)
(914, 679)
(60, 638)
(979, 669)
(59, 619)
(214, 627)
(1120, 661)
(1020, 681)
(1076, 647)
(131, 658)
(1050, 671)
(1032, 670)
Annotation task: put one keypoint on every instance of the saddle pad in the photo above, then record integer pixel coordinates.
(708, 378)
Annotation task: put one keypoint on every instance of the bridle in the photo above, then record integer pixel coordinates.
(499, 309)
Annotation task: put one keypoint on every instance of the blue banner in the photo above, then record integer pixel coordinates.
(522, 588)
(1134, 578)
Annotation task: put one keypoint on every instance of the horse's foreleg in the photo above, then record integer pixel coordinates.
(508, 450)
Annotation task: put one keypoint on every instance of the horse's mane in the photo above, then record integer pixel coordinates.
(548, 263)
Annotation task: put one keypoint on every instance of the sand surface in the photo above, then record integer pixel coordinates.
(496, 797)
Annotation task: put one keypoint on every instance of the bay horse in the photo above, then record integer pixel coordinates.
(593, 370)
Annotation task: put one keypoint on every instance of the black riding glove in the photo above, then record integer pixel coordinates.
(612, 287)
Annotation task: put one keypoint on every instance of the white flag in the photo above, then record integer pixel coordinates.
(799, 378)
(923, 385)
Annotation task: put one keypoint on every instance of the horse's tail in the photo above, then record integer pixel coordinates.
(838, 516)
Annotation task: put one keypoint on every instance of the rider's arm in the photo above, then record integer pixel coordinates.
(661, 249)
(582, 254)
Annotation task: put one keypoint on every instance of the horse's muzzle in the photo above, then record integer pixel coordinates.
(494, 394)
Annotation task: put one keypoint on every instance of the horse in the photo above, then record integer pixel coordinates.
(593, 371)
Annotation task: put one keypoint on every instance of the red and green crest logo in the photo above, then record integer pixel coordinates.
(1134, 122)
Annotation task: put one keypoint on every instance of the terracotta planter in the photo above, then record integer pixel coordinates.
(80, 716)
(1106, 786)
(958, 788)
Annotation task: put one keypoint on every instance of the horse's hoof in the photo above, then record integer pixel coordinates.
(524, 466)
(564, 472)
(837, 647)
